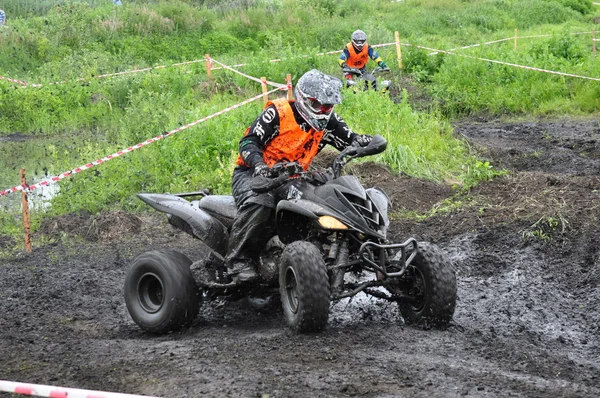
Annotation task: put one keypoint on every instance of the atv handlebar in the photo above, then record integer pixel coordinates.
(359, 72)
(282, 172)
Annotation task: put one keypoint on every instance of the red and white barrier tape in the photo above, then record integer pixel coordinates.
(25, 84)
(128, 72)
(59, 392)
(79, 169)
(506, 39)
(8, 79)
(278, 85)
(506, 63)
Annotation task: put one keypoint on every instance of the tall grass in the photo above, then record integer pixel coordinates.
(48, 41)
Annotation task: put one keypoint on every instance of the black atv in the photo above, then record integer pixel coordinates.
(325, 233)
(356, 78)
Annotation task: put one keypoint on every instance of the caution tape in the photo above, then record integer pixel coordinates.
(52, 180)
(40, 390)
(13, 80)
(505, 39)
(106, 75)
(505, 63)
(26, 84)
(278, 85)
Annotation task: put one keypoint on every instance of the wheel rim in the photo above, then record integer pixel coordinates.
(150, 293)
(418, 290)
(291, 290)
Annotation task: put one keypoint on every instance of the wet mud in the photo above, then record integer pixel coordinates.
(525, 247)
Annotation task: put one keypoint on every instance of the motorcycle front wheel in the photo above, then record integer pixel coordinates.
(304, 287)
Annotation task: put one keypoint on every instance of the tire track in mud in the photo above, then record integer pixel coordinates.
(526, 322)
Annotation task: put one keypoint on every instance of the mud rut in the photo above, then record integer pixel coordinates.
(526, 251)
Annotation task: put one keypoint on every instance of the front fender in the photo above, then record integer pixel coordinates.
(296, 218)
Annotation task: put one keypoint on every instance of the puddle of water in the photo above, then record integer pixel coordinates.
(39, 157)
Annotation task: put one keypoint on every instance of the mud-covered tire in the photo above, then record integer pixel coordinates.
(160, 293)
(304, 287)
(435, 285)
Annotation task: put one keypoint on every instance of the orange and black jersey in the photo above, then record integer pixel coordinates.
(358, 62)
(266, 128)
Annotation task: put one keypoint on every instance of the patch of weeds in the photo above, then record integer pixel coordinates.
(536, 154)
(480, 171)
(545, 229)
(403, 214)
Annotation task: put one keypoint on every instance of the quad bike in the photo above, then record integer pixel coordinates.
(354, 76)
(331, 244)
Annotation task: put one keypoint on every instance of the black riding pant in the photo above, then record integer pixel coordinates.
(254, 224)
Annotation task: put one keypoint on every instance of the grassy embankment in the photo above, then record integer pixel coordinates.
(79, 121)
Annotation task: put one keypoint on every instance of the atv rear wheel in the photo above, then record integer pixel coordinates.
(160, 292)
(431, 281)
(304, 287)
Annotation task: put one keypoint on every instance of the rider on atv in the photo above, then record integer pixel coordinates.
(356, 54)
(285, 131)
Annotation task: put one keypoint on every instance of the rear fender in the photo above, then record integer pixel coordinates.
(190, 218)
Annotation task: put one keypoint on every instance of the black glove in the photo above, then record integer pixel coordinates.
(361, 140)
(261, 169)
(344, 65)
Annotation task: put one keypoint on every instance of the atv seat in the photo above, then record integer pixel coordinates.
(221, 206)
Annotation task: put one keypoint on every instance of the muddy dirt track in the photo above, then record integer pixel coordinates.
(525, 246)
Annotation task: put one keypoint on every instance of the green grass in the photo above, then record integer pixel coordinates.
(61, 41)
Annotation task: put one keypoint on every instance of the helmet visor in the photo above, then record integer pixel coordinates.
(319, 108)
(359, 43)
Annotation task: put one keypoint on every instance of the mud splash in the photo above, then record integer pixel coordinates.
(526, 248)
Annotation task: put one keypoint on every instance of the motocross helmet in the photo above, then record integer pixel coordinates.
(359, 38)
(316, 93)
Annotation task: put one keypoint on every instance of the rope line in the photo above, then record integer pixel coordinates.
(506, 63)
(26, 84)
(248, 76)
(54, 179)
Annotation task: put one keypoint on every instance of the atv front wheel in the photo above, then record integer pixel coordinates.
(431, 282)
(304, 287)
(160, 292)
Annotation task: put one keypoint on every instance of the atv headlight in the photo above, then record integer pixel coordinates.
(329, 222)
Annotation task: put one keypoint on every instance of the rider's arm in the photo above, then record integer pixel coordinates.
(261, 132)
(338, 134)
(343, 57)
(375, 56)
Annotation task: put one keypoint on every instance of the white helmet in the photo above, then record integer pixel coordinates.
(359, 38)
(316, 93)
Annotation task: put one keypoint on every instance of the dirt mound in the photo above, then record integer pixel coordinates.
(105, 226)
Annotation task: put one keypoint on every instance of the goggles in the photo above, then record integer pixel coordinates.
(318, 107)
(359, 43)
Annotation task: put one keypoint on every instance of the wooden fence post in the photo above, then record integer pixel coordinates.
(264, 89)
(25, 205)
(515, 40)
(398, 49)
(208, 65)
(290, 92)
